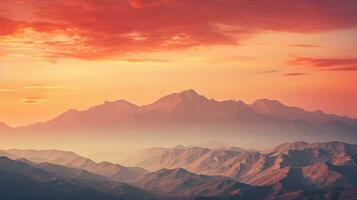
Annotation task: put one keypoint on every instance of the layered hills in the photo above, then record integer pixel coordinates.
(287, 171)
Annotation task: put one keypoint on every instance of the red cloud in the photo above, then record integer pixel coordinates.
(145, 3)
(110, 28)
(8, 26)
(333, 64)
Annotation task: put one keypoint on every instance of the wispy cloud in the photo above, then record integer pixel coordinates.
(46, 87)
(295, 74)
(352, 68)
(7, 90)
(304, 46)
(267, 71)
(333, 64)
(142, 60)
(33, 100)
(231, 59)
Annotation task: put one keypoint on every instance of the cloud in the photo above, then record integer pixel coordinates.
(352, 68)
(46, 87)
(231, 59)
(146, 3)
(141, 60)
(304, 46)
(3, 90)
(333, 64)
(294, 74)
(8, 26)
(268, 71)
(107, 29)
(33, 100)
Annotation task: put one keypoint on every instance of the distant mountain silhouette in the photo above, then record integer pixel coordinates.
(277, 109)
(188, 108)
(184, 108)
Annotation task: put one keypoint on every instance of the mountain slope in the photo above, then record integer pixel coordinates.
(70, 159)
(214, 144)
(184, 108)
(39, 156)
(316, 165)
(188, 106)
(70, 173)
(224, 162)
(108, 115)
(97, 182)
(183, 182)
(4, 128)
(326, 194)
(186, 185)
(16, 186)
(19, 180)
(277, 109)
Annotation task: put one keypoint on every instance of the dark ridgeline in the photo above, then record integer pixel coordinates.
(288, 171)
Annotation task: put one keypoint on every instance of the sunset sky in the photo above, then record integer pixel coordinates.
(56, 55)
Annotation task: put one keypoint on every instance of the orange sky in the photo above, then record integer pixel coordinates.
(57, 55)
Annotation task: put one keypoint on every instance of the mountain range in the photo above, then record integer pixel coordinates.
(188, 108)
(208, 170)
(20, 180)
(288, 171)
(275, 108)
(69, 159)
(328, 162)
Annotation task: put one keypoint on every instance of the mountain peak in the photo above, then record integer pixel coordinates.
(214, 144)
(70, 112)
(169, 102)
(180, 171)
(4, 126)
(190, 92)
(275, 108)
(285, 147)
(119, 102)
(267, 102)
(173, 173)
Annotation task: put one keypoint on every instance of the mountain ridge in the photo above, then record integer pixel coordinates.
(276, 108)
(185, 107)
(70, 159)
(47, 181)
(259, 168)
(190, 172)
